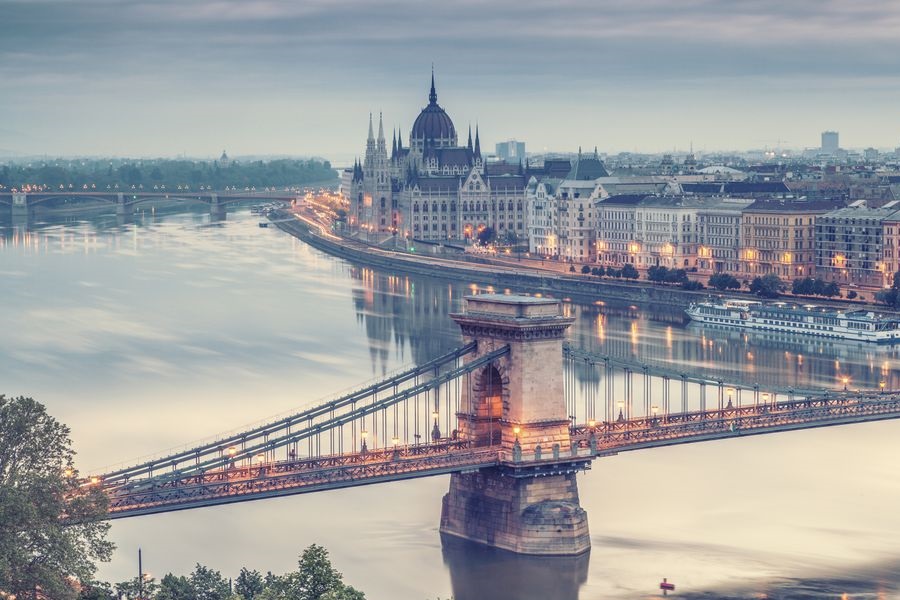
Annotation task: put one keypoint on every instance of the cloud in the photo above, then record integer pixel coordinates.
(187, 75)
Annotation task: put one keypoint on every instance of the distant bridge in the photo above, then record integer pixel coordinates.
(510, 408)
(125, 200)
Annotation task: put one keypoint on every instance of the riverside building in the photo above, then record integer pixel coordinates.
(433, 188)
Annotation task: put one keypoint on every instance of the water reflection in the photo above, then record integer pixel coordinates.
(400, 310)
(878, 582)
(478, 572)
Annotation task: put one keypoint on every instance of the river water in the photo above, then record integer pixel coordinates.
(148, 335)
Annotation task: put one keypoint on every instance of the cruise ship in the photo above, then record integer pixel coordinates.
(807, 319)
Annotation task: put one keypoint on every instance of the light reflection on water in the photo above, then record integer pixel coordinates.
(147, 335)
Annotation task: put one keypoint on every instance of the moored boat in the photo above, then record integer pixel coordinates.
(806, 319)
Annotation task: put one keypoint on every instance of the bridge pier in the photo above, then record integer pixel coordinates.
(20, 206)
(517, 404)
(121, 207)
(217, 210)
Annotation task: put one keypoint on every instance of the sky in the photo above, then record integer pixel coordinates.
(146, 78)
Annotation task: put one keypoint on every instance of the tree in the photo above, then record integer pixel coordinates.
(687, 284)
(133, 589)
(676, 276)
(657, 273)
(486, 236)
(317, 579)
(585, 270)
(316, 575)
(890, 296)
(96, 590)
(724, 281)
(598, 271)
(831, 289)
(175, 588)
(209, 584)
(50, 527)
(249, 584)
(767, 286)
(803, 286)
(629, 272)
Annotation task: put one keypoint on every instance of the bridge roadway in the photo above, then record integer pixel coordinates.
(280, 478)
(131, 197)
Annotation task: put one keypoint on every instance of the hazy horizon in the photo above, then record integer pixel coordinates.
(264, 77)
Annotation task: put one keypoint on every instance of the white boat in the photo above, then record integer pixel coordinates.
(806, 319)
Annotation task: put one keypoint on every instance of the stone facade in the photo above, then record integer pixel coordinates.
(433, 189)
(529, 515)
(517, 403)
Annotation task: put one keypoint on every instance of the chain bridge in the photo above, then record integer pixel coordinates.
(512, 415)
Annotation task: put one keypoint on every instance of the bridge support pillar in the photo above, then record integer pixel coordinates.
(20, 205)
(121, 207)
(527, 505)
(217, 209)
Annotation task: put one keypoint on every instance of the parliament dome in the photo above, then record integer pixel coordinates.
(433, 126)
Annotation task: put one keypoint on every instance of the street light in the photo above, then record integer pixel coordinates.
(845, 380)
(882, 384)
(363, 435)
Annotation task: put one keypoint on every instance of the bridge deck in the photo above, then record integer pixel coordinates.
(265, 480)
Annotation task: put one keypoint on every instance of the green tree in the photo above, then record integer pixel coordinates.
(767, 286)
(249, 584)
(173, 587)
(316, 579)
(315, 574)
(486, 236)
(133, 589)
(629, 272)
(209, 584)
(724, 281)
(585, 270)
(804, 286)
(657, 273)
(890, 296)
(831, 289)
(676, 276)
(96, 590)
(50, 527)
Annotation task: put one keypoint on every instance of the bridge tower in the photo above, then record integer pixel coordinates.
(516, 404)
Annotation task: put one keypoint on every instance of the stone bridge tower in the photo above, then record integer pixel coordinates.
(528, 505)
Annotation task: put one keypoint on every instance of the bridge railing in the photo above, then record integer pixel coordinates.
(602, 388)
(620, 435)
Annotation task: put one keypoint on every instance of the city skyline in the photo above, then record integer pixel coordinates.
(162, 79)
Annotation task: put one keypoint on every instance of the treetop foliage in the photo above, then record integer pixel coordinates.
(50, 527)
(98, 174)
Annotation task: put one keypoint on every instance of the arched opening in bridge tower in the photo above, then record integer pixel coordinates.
(488, 406)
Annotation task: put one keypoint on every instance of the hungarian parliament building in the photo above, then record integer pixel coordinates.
(433, 188)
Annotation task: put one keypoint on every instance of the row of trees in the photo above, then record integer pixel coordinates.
(766, 286)
(315, 579)
(171, 173)
(626, 272)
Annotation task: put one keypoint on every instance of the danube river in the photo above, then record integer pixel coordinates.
(152, 334)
